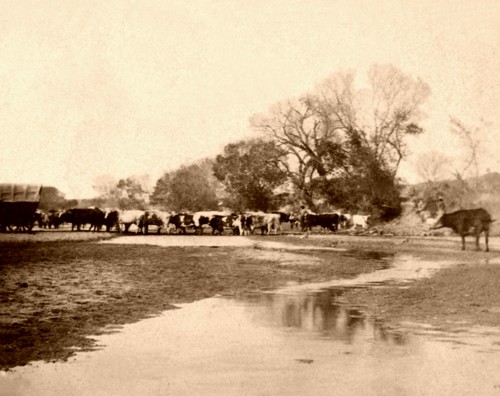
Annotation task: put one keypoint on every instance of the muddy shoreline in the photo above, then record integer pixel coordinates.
(59, 289)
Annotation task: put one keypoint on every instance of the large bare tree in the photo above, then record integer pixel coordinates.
(340, 130)
(298, 130)
(381, 115)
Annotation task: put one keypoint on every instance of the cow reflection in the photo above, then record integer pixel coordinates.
(321, 314)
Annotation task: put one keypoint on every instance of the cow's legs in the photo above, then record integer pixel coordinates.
(477, 241)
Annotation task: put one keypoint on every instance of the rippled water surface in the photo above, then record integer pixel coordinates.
(294, 341)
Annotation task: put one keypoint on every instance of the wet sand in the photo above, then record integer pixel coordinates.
(58, 289)
(300, 339)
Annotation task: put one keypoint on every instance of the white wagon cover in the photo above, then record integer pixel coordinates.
(10, 192)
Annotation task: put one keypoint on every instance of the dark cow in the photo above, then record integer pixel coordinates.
(54, 218)
(217, 223)
(152, 218)
(97, 220)
(155, 218)
(112, 219)
(143, 223)
(201, 219)
(182, 221)
(286, 218)
(159, 219)
(41, 218)
(329, 221)
(177, 221)
(79, 217)
(247, 224)
(293, 220)
(467, 222)
(188, 221)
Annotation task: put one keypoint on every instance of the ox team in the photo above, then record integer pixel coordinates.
(463, 222)
(246, 223)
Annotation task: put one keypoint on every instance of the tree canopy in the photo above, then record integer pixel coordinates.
(345, 144)
(130, 193)
(250, 170)
(338, 146)
(52, 198)
(190, 188)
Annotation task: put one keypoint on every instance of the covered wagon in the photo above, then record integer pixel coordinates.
(18, 204)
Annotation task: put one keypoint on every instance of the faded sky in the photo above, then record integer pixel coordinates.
(140, 87)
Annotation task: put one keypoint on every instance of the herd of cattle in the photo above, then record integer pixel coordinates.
(237, 223)
(463, 222)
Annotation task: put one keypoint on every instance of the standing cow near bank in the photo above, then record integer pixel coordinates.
(467, 222)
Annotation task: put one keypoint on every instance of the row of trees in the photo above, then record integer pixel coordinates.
(338, 146)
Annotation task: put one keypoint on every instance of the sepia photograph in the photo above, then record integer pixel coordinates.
(259, 198)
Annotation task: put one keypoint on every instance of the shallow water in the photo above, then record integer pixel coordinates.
(294, 341)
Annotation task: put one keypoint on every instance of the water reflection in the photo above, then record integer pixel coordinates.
(301, 340)
(322, 315)
(383, 258)
(304, 343)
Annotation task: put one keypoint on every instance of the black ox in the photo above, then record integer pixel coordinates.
(182, 222)
(80, 217)
(467, 222)
(329, 221)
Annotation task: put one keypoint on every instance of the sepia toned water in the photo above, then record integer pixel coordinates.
(298, 340)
